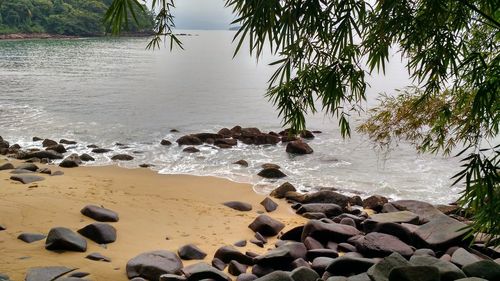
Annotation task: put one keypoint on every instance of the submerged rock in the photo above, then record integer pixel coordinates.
(280, 191)
(298, 147)
(271, 173)
(122, 157)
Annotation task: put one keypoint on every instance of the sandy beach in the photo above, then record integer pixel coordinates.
(156, 212)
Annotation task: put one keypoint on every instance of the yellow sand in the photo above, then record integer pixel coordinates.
(156, 212)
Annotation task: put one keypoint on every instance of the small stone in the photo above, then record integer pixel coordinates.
(98, 257)
(31, 237)
(241, 243)
(191, 252)
(165, 142)
(191, 149)
(99, 213)
(269, 204)
(241, 162)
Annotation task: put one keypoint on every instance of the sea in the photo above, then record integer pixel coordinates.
(115, 93)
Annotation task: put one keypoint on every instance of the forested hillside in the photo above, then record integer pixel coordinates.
(64, 17)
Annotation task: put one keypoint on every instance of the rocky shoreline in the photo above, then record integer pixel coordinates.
(343, 237)
(24, 36)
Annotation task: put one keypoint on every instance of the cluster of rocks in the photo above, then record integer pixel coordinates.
(227, 138)
(26, 173)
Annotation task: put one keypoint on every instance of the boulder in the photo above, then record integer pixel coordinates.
(64, 141)
(37, 139)
(59, 148)
(200, 271)
(271, 173)
(440, 233)
(246, 277)
(447, 270)
(347, 266)
(86, 158)
(48, 273)
(414, 273)
(462, 257)
(48, 142)
(27, 166)
(293, 234)
(396, 217)
(191, 149)
(312, 243)
(269, 205)
(64, 239)
(241, 163)
(229, 253)
(44, 154)
(280, 191)
(99, 213)
(26, 179)
(172, 277)
(31, 237)
(235, 268)
(276, 276)
(71, 161)
(282, 256)
(380, 271)
(266, 225)
(6, 166)
(165, 142)
(217, 263)
(314, 253)
(377, 244)
(189, 140)
(122, 157)
(101, 150)
(329, 209)
(375, 202)
(325, 232)
(304, 274)
(238, 206)
(101, 233)
(486, 269)
(151, 265)
(191, 252)
(225, 132)
(424, 210)
(391, 228)
(298, 147)
(326, 196)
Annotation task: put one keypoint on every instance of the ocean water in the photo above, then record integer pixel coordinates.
(108, 91)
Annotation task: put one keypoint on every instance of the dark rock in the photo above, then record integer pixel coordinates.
(28, 166)
(257, 242)
(332, 245)
(48, 142)
(191, 252)
(394, 229)
(2, 227)
(293, 234)
(346, 247)
(326, 196)
(329, 209)
(486, 269)
(165, 142)
(271, 173)
(225, 132)
(380, 271)
(314, 216)
(151, 265)
(189, 140)
(259, 237)
(64, 239)
(325, 232)
(101, 150)
(447, 270)
(241, 243)
(37, 139)
(441, 232)
(31, 237)
(45, 154)
(312, 243)
(6, 166)
(101, 233)
(266, 225)
(321, 263)
(298, 147)
(99, 213)
(269, 204)
(307, 134)
(46, 273)
(238, 206)
(381, 244)
(424, 210)
(396, 217)
(414, 273)
(46, 171)
(348, 221)
(241, 163)
(64, 141)
(172, 277)
(282, 256)
(389, 208)
(98, 257)
(191, 149)
(374, 202)
(26, 179)
(347, 266)
(270, 166)
(71, 161)
(312, 254)
(235, 268)
(285, 139)
(79, 274)
(229, 253)
(276, 276)
(300, 262)
(59, 148)
(20, 171)
(462, 258)
(200, 271)
(424, 252)
(174, 131)
(206, 137)
(92, 146)
(282, 190)
(246, 277)
(217, 263)
(122, 157)
(304, 274)
(227, 142)
(86, 158)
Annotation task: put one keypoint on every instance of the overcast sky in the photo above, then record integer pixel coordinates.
(202, 14)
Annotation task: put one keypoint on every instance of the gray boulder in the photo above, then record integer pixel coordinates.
(99, 213)
(151, 265)
(31, 237)
(304, 274)
(276, 276)
(377, 244)
(26, 179)
(414, 273)
(46, 273)
(447, 270)
(486, 269)
(101, 233)
(266, 225)
(380, 271)
(325, 232)
(64, 239)
(191, 252)
(440, 233)
(200, 271)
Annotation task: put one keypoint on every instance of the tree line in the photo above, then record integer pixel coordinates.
(65, 17)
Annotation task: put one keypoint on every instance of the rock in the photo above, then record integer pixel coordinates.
(293, 234)
(27, 166)
(346, 247)
(31, 237)
(304, 274)
(92, 146)
(191, 252)
(269, 204)
(266, 225)
(462, 258)
(64, 141)
(282, 256)
(486, 269)
(440, 233)
(300, 262)
(46, 171)
(46, 154)
(414, 273)
(257, 242)
(424, 252)
(26, 179)
(165, 142)
(321, 263)
(312, 254)
(86, 158)
(101, 233)
(20, 171)
(348, 221)
(229, 253)
(391, 228)
(200, 271)
(326, 196)
(46, 273)
(225, 132)
(151, 265)
(329, 209)
(2, 227)
(447, 270)
(241, 163)
(217, 263)
(471, 279)
(223, 143)
(6, 166)
(99, 213)
(312, 243)
(270, 166)
(276, 276)
(37, 139)
(375, 202)
(191, 149)
(380, 244)
(235, 268)
(59, 148)
(98, 257)
(282, 190)
(347, 266)
(325, 232)
(380, 271)
(259, 237)
(101, 150)
(424, 210)
(241, 243)
(246, 277)
(79, 274)
(389, 208)
(57, 173)
(122, 157)
(64, 239)
(271, 173)
(396, 217)
(48, 142)
(298, 147)
(189, 140)
(172, 277)
(71, 161)
(238, 206)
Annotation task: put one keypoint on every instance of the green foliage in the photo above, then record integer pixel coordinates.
(66, 17)
(327, 47)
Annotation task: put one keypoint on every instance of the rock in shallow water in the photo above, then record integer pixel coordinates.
(151, 265)
(282, 190)
(298, 147)
(271, 173)
(122, 157)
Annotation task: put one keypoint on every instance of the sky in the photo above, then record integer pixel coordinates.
(202, 14)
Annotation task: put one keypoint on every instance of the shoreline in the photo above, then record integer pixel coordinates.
(28, 36)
